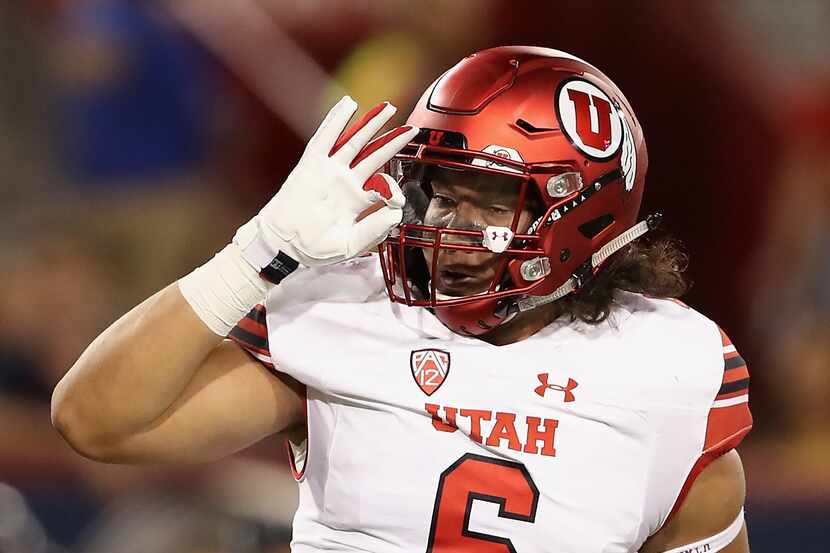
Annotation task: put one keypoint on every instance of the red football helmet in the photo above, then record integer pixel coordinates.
(556, 138)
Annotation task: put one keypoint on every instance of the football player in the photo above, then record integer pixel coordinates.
(531, 385)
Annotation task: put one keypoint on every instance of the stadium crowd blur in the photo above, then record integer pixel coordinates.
(135, 136)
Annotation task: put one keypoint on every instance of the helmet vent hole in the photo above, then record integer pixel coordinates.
(530, 128)
(595, 226)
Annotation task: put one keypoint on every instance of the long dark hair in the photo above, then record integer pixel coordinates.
(651, 265)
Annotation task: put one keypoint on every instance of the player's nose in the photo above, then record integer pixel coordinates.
(467, 217)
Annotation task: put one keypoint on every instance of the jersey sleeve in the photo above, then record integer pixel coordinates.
(729, 418)
(251, 333)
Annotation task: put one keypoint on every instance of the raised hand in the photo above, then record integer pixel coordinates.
(313, 217)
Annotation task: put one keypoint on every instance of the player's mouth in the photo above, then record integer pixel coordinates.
(460, 280)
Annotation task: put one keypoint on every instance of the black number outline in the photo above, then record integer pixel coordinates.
(472, 495)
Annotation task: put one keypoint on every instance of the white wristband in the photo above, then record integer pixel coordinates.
(716, 542)
(223, 290)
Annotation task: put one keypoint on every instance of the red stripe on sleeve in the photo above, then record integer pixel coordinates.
(254, 327)
(738, 373)
(726, 428)
(251, 333)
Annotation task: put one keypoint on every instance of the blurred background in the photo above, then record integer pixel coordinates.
(135, 136)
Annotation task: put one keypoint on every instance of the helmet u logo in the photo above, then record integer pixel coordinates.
(596, 136)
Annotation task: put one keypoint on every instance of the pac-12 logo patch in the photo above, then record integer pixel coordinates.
(429, 368)
(589, 119)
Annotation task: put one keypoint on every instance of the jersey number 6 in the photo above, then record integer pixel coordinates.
(505, 483)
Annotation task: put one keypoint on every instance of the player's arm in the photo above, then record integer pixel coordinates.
(711, 513)
(160, 384)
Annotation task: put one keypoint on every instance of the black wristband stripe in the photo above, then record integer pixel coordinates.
(279, 268)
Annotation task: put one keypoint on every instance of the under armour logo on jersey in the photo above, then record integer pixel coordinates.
(544, 387)
(429, 368)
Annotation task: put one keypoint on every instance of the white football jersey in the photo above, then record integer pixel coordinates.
(581, 438)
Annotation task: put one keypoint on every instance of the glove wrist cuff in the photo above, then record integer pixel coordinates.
(272, 263)
(223, 290)
(280, 267)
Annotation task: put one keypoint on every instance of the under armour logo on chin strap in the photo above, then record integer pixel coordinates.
(544, 387)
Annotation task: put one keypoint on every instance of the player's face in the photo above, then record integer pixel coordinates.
(470, 200)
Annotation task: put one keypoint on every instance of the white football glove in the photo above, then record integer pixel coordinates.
(313, 217)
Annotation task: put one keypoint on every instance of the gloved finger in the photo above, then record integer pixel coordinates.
(373, 229)
(333, 124)
(359, 134)
(383, 187)
(380, 150)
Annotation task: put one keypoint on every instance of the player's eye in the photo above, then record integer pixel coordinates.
(440, 200)
(501, 210)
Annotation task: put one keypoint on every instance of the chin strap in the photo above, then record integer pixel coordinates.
(586, 270)
(625, 238)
